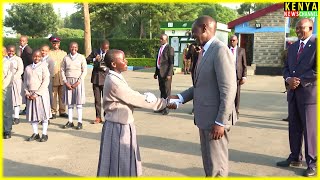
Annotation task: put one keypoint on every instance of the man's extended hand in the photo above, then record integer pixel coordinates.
(168, 77)
(172, 105)
(217, 132)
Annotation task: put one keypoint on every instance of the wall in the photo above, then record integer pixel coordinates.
(268, 48)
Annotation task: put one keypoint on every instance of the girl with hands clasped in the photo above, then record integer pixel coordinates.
(119, 150)
(73, 72)
(36, 82)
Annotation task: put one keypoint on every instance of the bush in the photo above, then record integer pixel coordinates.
(145, 62)
(70, 33)
(133, 48)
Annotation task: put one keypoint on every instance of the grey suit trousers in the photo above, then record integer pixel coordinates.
(215, 155)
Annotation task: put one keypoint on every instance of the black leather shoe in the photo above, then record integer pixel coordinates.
(16, 121)
(44, 138)
(64, 115)
(68, 125)
(33, 137)
(289, 163)
(286, 119)
(23, 112)
(165, 112)
(310, 172)
(79, 126)
(7, 135)
(53, 116)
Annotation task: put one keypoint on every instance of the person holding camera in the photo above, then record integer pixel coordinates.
(98, 76)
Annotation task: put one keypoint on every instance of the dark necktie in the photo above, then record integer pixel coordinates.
(300, 50)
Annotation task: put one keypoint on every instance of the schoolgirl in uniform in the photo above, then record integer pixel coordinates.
(36, 83)
(17, 71)
(73, 72)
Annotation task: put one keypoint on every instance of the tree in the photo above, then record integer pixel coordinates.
(219, 13)
(32, 19)
(87, 29)
(248, 8)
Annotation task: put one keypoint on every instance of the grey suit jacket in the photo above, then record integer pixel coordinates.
(214, 88)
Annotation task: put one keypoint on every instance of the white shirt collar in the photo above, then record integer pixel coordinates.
(22, 47)
(45, 58)
(164, 45)
(207, 45)
(35, 65)
(73, 56)
(305, 41)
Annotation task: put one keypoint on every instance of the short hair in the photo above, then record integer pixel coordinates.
(73, 42)
(45, 45)
(105, 42)
(24, 36)
(111, 56)
(206, 20)
(308, 19)
(36, 51)
(11, 46)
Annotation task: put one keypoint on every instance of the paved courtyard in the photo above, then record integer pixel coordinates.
(169, 145)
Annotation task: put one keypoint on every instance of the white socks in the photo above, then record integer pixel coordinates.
(16, 110)
(44, 127)
(70, 114)
(79, 111)
(35, 127)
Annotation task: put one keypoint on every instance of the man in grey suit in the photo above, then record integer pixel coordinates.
(213, 94)
(300, 72)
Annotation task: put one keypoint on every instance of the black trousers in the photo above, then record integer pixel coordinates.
(237, 100)
(98, 93)
(164, 86)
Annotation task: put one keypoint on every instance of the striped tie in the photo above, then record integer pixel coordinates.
(300, 50)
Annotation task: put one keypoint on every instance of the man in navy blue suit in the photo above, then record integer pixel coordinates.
(301, 75)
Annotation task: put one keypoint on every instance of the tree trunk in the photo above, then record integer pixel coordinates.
(87, 29)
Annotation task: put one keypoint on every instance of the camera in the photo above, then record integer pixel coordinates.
(102, 65)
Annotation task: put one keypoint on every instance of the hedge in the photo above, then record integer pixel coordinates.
(133, 48)
(145, 62)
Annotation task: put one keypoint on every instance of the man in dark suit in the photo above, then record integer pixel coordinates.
(213, 93)
(25, 52)
(239, 56)
(164, 68)
(300, 72)
(98, 76)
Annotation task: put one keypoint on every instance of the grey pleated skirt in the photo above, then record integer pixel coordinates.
(119, 151)
(39, 109)
(17, 93)
(74, 96)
